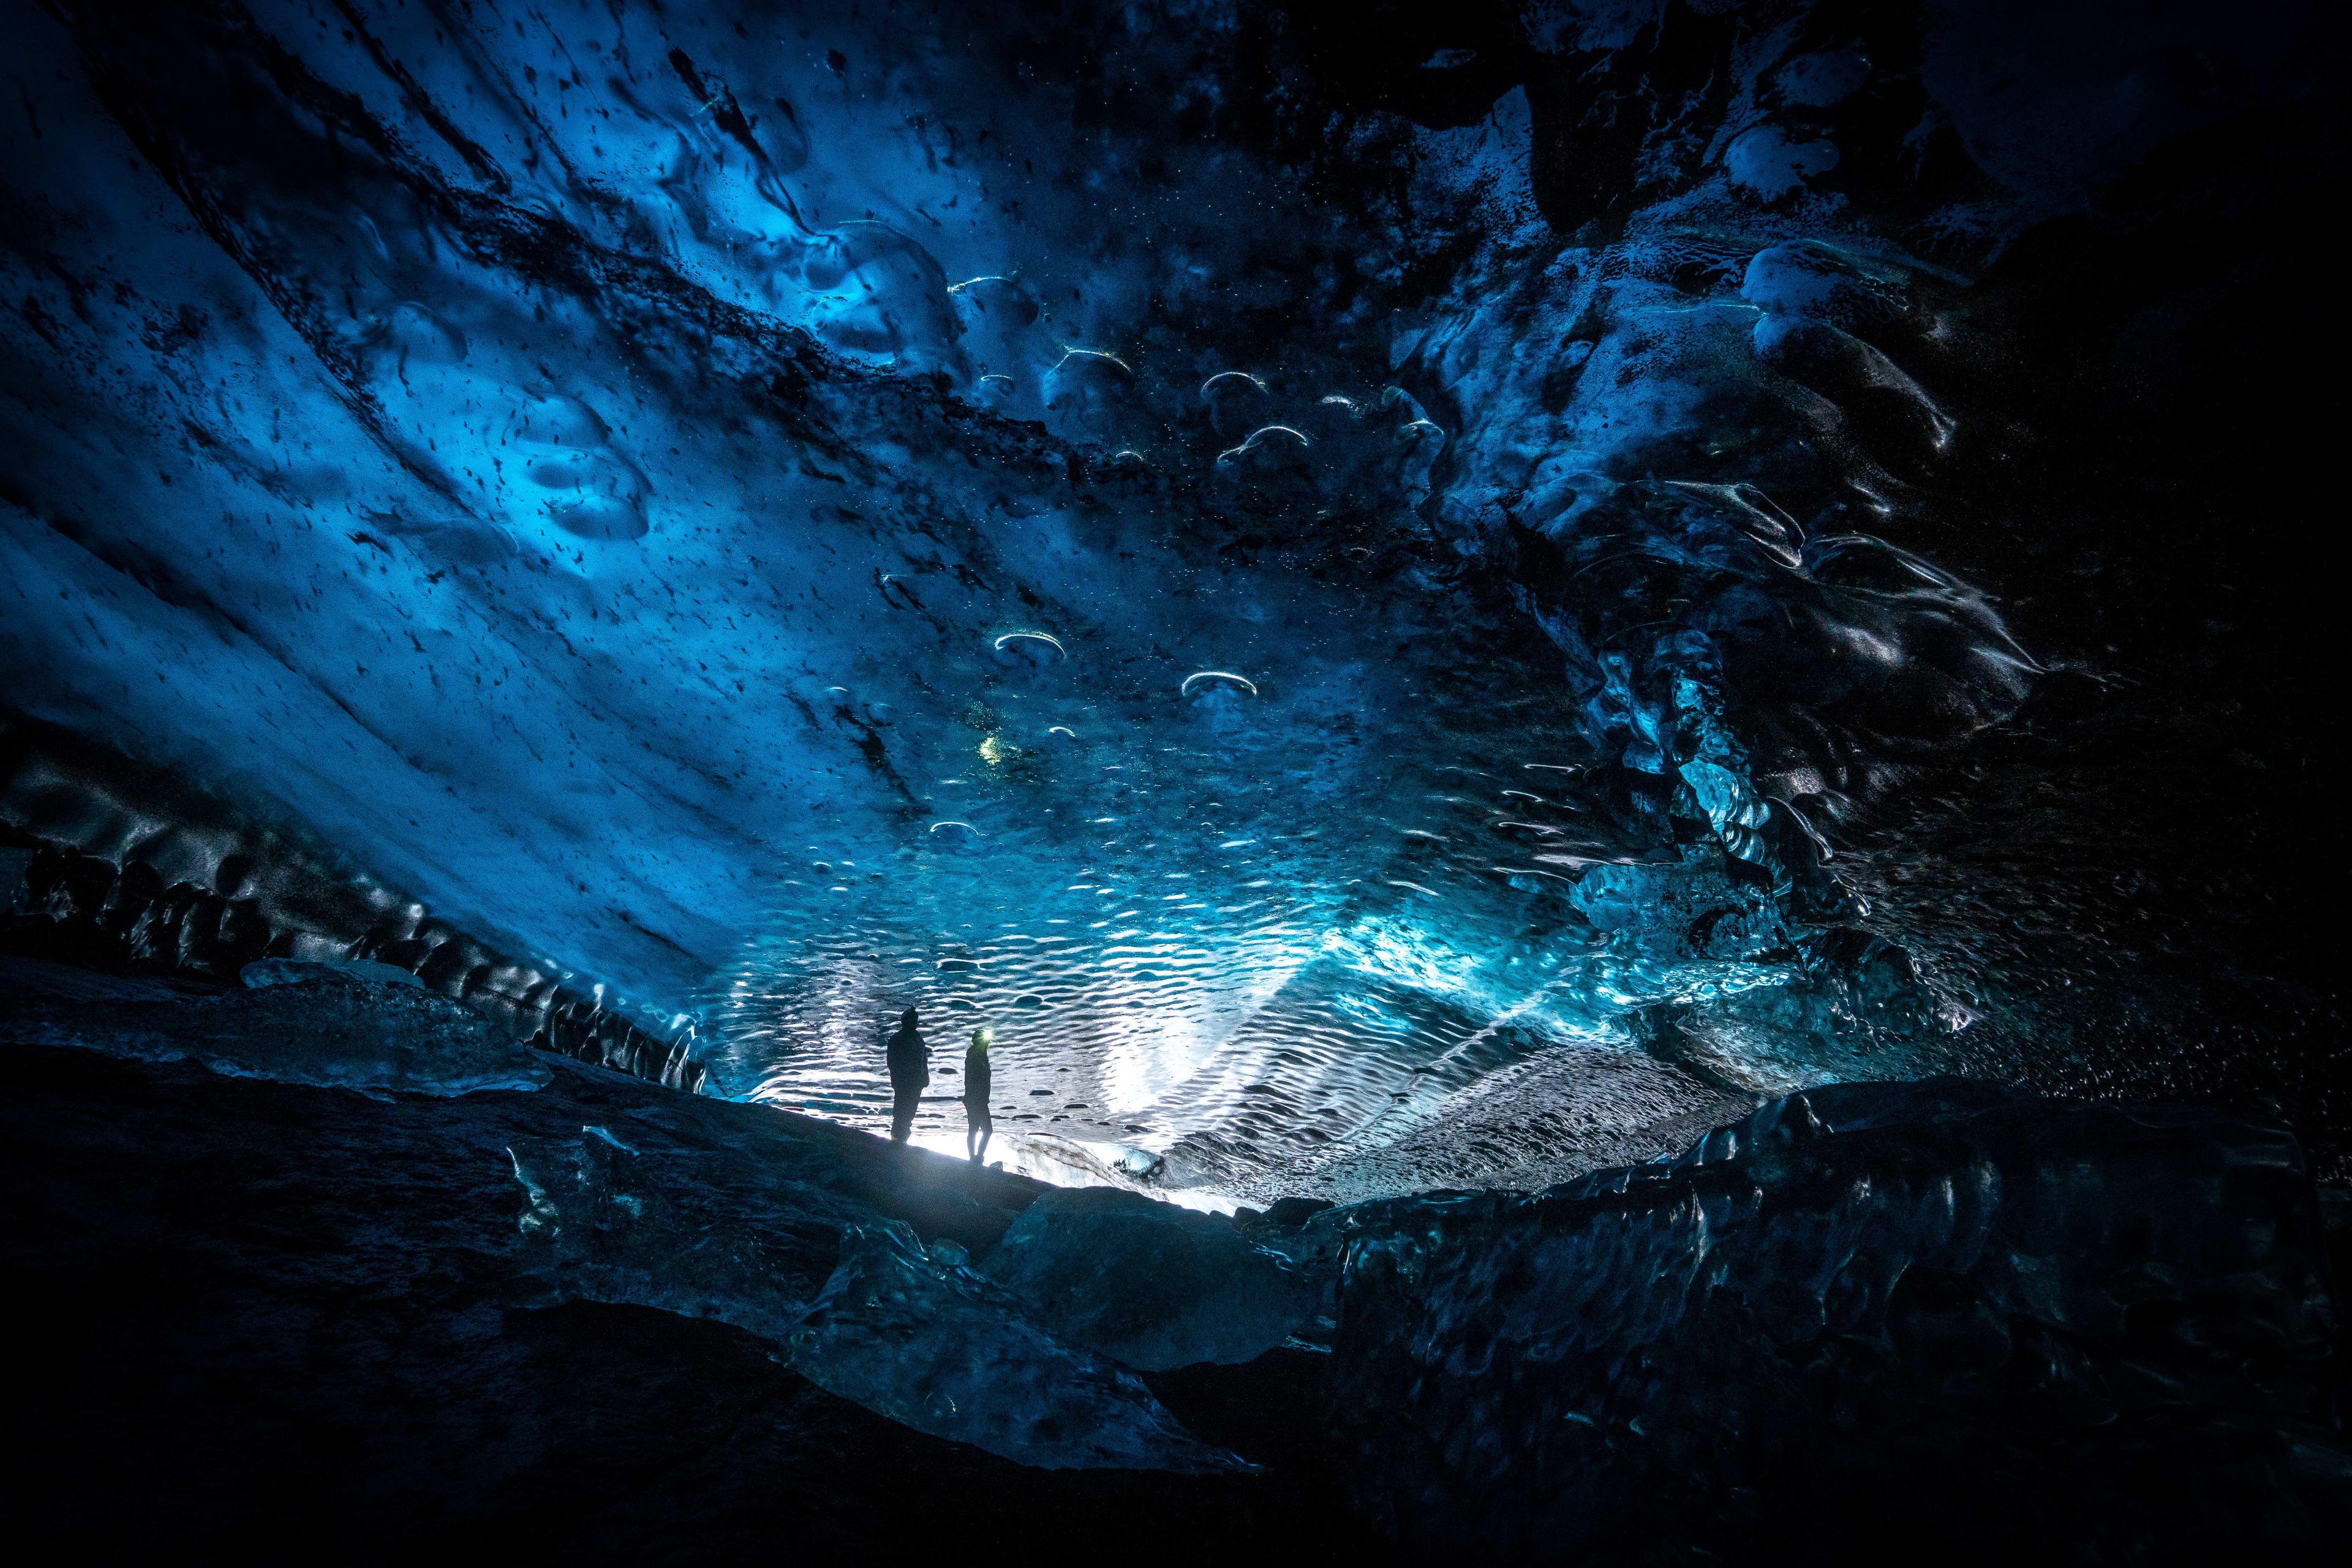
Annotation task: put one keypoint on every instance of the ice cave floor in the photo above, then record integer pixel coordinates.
(317, 1270)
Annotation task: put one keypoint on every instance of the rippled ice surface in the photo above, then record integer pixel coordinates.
(1234, 927)
(884, 520)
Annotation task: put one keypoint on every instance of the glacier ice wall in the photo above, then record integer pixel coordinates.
(1322, 579)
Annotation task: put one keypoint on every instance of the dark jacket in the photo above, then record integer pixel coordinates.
(911, 1061)
(976, 1076)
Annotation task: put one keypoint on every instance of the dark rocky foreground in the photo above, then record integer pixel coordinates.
(265, 1320)
(268, 1322)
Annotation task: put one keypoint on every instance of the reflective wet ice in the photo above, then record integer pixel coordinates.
(1208, 932)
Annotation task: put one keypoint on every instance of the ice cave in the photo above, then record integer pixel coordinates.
(1540, 781)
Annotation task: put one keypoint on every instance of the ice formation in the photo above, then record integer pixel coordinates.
(1917, 1300)
(1321, 584)
(1148, 1283)
(605, 1220)
(921, 1338)
(1620, 710)
(908, 1330)
(334, 1026)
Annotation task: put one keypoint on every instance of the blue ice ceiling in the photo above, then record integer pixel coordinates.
(788, 512)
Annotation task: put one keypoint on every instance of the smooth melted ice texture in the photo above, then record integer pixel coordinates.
(793, 517)
(603, 614)
(1235, 950)
(549, 567)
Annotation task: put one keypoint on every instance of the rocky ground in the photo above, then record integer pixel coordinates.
(268, 1321)
(336, 1319)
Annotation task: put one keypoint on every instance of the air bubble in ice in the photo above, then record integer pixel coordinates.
(1030, 649)
(1213, 682)
(1270, 449)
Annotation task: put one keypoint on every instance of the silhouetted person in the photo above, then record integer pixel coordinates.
(911, 1070)
(978, 1124)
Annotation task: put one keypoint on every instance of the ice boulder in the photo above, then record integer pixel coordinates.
(920, 1337)
(1152, 1284)
(767, 1239)
(605, 1220)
